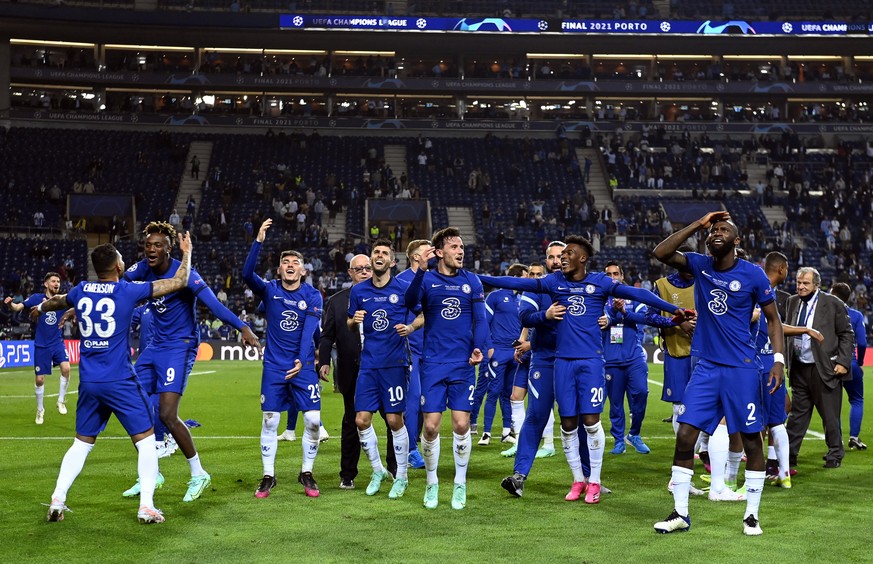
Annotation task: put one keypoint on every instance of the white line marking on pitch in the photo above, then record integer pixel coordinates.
(32, 396)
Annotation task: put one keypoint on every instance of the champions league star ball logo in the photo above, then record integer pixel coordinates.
(393, 298)
(421, 23)
(485, 24)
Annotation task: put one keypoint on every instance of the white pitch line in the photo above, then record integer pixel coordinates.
(31, 395)
(76, 391)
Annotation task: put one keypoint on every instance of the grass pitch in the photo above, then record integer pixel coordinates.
(825, 517)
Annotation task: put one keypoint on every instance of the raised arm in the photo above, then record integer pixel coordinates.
(513, 283)
(180, 280)
(54, 303)
(252, 280)
(412, 297)
(645, 296)
(667, 252)
(16, 307)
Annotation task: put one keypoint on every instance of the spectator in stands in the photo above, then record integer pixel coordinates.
(195, 167)
(206, 232)
(221, 295)
(176, 221)
(38, 219)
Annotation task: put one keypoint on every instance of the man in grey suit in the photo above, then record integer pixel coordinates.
(817, 370)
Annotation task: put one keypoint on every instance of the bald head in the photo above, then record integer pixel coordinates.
(360, 269)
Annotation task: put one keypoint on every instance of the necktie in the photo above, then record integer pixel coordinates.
(802, 317)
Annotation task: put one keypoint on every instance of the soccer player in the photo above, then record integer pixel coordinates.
(49, 349)
(579, 364)
(166, 364)
(501, 308)
(293, 313)
(142, 324)
(455, 334)
(520, 379)
(539, 315)
(725, 381)
(107, 382)
(855, 386)
(627, 371)
(412, 417)
(377, 307)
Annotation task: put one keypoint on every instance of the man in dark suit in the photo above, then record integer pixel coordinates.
(817, 370)
(334, 330)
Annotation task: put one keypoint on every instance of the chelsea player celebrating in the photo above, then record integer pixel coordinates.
(167, 362)
(49, 346)
(579, 364)
(293, 312)
(378, 310)
(725, 381)
(455, 334)
(107, 383)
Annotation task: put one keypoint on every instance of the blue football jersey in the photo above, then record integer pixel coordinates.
(450, 328)
(46, 333)
(579, 335)
(142, 323)
(287, 312)
(416, 340)
(502, 309)
(725, 301)
(543, 332)
(856, 318)
(175, 315)
(385, 308)
(104, 311)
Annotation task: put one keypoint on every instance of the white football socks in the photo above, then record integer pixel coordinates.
(570, 443)
(147, 468)
(370, 446)
(596, 445)
(461, 445)
(71, 466)
(401, 451)
(754, 487)
(517, 416)
(39, 392)
(430, 451)
(62, 389)
(681, 488)
(780, 437)
(269, 441)
(719, 443)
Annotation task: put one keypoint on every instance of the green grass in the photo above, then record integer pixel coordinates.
(826, 516)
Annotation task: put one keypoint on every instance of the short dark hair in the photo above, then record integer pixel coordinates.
(384, 242)
(774, 260)
(162, 228)
(439, 238)
(582, 242)
(104, 258)
(614, 263)
(297, 254)
(516, 270)
(50, 275)
(842, 291)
